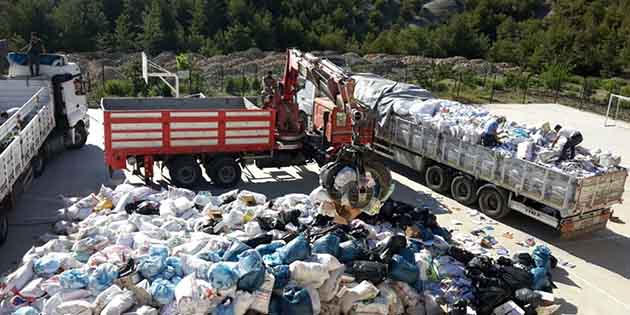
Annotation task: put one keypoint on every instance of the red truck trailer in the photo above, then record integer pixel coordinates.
(185, 133)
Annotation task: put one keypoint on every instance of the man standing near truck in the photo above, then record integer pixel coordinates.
(490, 135)
(573, 139)
(34, 50)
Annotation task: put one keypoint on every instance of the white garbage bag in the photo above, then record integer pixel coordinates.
(77, 307)
(18, 279)
(105, 297)
(33, 289)
(193, 296)
(308, 273)
(349, 296)
(120, 303)
(242, 302)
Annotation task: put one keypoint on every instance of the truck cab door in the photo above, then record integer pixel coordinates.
(75, 99)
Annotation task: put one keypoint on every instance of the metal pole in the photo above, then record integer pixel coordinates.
(608, 111)
(103, 74)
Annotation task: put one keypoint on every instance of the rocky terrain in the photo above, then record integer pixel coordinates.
(101, 65)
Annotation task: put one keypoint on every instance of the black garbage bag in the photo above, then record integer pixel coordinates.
(488, 298)
(291, 216)
(259, 239)
(516, 278)
(527, 297)
(387, 210)
(485, 264)
(372, 271)
(392, 246)
(268, 223)
(207, 227)
(504, 261)
(525, 259)
(322, 220)
(460, 254)
(459, 308)
(147, 207)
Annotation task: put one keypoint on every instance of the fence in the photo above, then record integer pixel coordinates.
(476, 82)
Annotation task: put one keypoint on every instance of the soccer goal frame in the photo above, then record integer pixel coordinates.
(162, 73)
(611, 101)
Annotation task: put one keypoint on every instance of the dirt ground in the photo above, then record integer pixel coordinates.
(595, 285)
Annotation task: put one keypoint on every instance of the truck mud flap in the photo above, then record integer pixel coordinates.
(583, 224)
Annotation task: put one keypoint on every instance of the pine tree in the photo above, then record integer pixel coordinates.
(153, 36)
(124, 33)
(80, 23)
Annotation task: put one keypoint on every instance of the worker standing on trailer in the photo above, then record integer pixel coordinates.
(573, 139)
(34, 49)
(490, 135)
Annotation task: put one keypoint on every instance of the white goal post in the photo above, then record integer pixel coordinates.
(162, 74)
(614, 99)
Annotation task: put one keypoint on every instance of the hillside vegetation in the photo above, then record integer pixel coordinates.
(586, 37)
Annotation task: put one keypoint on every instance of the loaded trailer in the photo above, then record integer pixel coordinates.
(44, 116)
(475, 174)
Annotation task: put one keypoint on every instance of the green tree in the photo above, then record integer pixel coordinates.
(159, 28)
(124, 34)
(256, 86)
(555, 75)
(231, 86)
(238, 37)
(79, 22)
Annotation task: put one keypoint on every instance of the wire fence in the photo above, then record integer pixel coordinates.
(476, 83)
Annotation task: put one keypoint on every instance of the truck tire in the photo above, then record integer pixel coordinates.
(493, 201)
(4, 228)
(81, 135)
(438, 179)
(463, 190)
(38, 163)
(224, 172)
(184, 171)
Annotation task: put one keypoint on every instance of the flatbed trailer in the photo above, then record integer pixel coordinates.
(474, 174)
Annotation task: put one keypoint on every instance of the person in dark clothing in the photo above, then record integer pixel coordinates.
(490, 135)
(574, 138)
(34, 50)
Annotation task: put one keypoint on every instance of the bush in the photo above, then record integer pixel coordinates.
(118, 88)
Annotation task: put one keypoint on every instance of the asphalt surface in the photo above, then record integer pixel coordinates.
(597, 284)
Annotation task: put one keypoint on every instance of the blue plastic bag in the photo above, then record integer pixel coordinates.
(268, 249)
(225, 308)
(163, 291)
(176, 263)
(159, 250)
(542, 257)
(74, 279)
(210, 256)
(540, 278)
(47, 265)
(349, 251)
(282, 274)
(222, 276)
(275, 305)
(103, 277)
(251, 271)
(296, 301)
(297, 249)
(166, 274)
(150, 266)
(402, 270)
(26, 310)
(175, 280)
(272, 260)
(235, 249)
(328, 244)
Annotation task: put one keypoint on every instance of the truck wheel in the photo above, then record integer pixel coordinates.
(438, 179)
(184, 171)
(4, 228)
(39, 164)
(493, 201)
(225, 172)
(463, 190)
(80, 136)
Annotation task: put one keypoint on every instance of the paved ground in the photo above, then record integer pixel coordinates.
(595, 286)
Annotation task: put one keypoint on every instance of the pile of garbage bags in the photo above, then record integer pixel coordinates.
(532, 143)
(132, 250)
